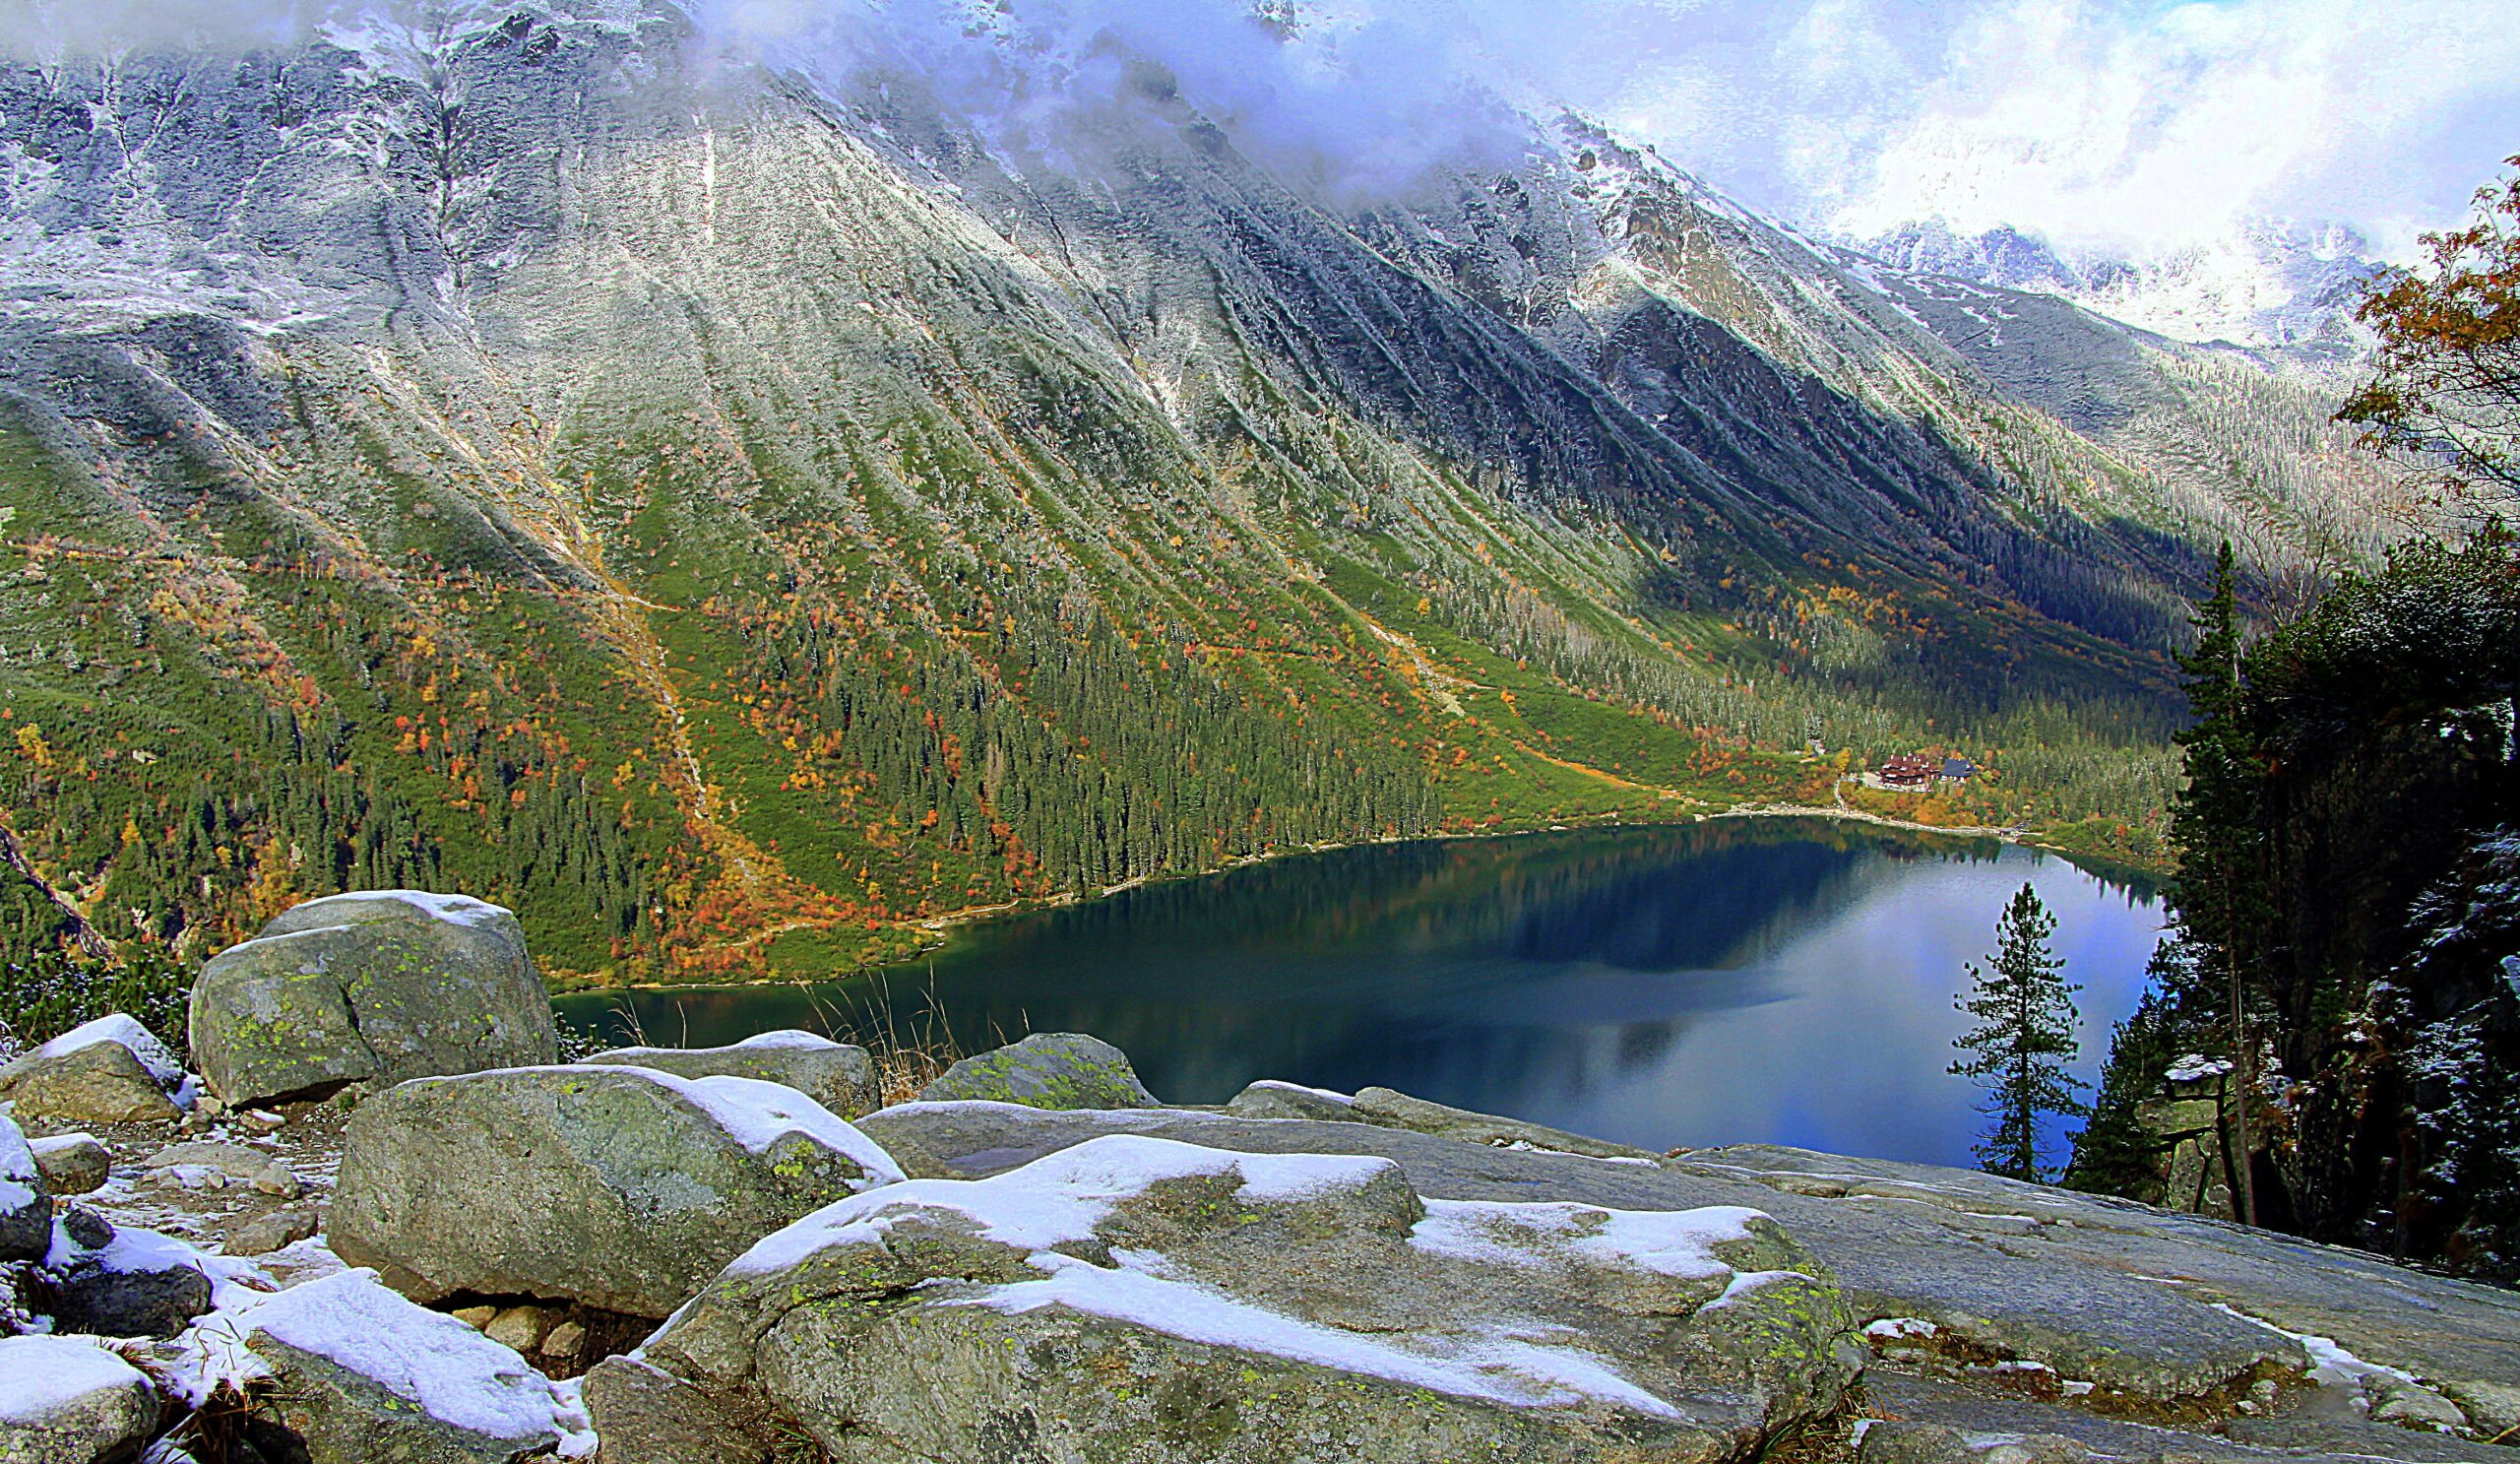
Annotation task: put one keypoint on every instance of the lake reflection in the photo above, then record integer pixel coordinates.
(1780, 981)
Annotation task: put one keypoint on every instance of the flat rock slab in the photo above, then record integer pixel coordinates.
(1046, 1070)
(1166, 1302)
(374, 988)
(64, 1400)
(2146, 1302)
(620, 1187)
(836, 1075)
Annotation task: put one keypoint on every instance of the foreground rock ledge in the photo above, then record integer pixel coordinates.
(1162, 1302)
(618, 1188)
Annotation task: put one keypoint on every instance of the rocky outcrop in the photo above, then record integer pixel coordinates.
(838, 1076)
(1174, 1303)
(1992, 1287)
(26, 1205)
(358, 1373)
(1046, 1070)
(112, 1070)
(65, 1400)
(619, 1188)
(374, 987)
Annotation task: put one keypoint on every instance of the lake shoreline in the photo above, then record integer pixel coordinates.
(941, 929)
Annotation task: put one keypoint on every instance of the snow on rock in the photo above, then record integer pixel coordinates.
(164, 1065)
(393, 1369)
(1497, 1368)
(69, 1398)
(1327, 1274)
(462, 910)
(1055, 1199)
(2195, 1067)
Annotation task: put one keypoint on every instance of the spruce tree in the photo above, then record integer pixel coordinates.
(2214, 828)
(2024, 1037)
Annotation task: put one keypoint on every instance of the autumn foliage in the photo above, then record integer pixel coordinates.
(2445, 381)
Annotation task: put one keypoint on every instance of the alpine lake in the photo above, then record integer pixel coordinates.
(1783, 980)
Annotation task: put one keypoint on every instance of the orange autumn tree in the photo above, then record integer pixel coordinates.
(2445, 382)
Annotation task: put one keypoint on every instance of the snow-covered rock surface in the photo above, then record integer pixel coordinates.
(69, 1399)
(619, 1188)
(1316, 1289)
(359, 1372)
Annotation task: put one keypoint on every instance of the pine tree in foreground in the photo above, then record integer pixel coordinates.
(2024, 1037)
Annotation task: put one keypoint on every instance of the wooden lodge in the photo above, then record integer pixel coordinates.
(1911, 769)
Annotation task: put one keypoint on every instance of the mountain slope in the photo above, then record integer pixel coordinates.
(536, 453)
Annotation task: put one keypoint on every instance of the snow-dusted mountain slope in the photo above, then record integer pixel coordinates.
(2286, 288)
(716, 497)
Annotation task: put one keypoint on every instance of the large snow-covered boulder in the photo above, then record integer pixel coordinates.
(26, 1208)
(620, 1187)
(370, 987)
(1169, 1302)
(112, 1071)
(65, 1400)
(1046, 1070)
(357, 1374)
(838, 1076)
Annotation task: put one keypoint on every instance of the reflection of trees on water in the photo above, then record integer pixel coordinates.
(1526, 975)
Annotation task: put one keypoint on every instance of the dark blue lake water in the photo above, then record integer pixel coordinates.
(1770, 979)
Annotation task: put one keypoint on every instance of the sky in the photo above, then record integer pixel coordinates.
(2125, 127)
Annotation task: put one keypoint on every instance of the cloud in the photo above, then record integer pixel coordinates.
(2136, 126)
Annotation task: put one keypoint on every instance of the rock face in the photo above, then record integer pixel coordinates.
(26, 1206)
(358, 1373)
(374, 988)
(619, 1188)
(1163, 1302)
(67, 1401)
(112, 1071)
(72, 1163)
(1046, 1070)
(836, 1075)
(1956, 1275)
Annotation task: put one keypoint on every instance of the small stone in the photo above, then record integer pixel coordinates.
(475, 1318)
(73, 1163)
(2413, 1407)
(211, 1164)
(520, 1327)
(565, 1341)
(273, 1231)
(87, 1228)
(262, 1121)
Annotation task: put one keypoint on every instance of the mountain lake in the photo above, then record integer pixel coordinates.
(1766, 979)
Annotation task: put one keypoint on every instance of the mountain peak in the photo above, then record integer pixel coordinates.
(2282, 286)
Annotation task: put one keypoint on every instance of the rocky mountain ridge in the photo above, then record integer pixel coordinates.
(741, 516)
